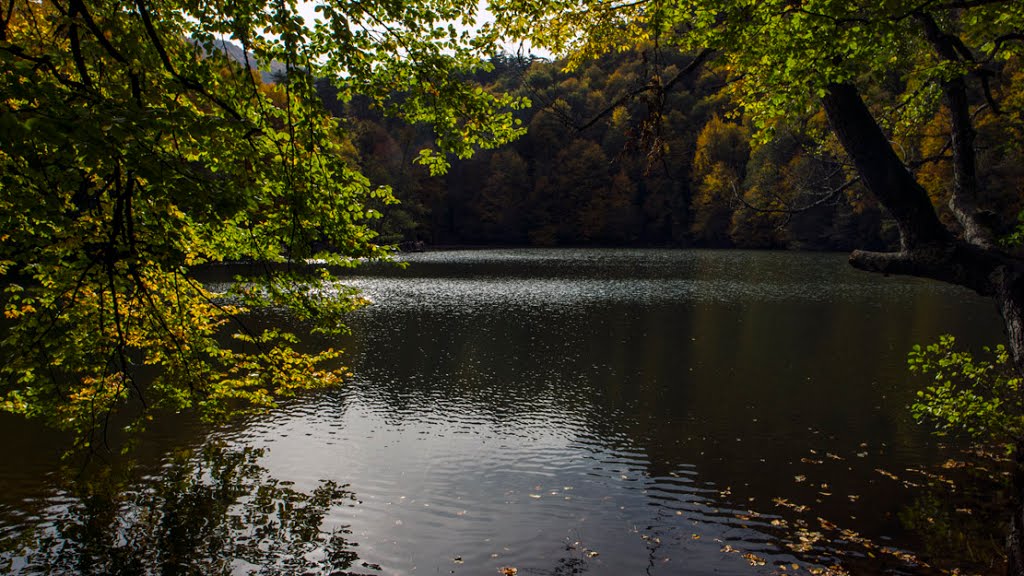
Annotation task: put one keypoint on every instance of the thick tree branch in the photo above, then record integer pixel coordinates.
(76, 50)
(984, 270)
(78, 8)
(881, 169)
(963, 201)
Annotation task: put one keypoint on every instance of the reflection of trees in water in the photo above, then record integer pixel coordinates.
(218, 512)
(960, 515)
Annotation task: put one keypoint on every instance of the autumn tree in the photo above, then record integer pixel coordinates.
(719, 169)
(133, 150)
(878, 71)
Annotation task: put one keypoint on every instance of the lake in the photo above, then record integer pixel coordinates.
(564, 411)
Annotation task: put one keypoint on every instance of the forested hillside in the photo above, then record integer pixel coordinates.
(677, 168)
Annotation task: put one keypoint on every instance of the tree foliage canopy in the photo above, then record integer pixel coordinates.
(134, 149)
(784, 55)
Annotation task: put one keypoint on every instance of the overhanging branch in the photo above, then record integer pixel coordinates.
(628, 97)
(880, 168)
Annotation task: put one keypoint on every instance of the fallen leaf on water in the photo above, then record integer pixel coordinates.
(695, 537)
(754, 559)
(799, 477)
(790, 505)
(886, 474)
(508, 571)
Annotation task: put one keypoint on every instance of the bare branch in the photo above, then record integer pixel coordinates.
(628, 97)
(828, 196)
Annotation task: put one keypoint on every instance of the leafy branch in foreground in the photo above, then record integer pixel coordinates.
(980, 397)
(134, 150)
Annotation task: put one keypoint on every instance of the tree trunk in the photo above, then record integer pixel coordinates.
(1010, 297)
(1015, 537)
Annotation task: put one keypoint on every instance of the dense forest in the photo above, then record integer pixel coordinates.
(605, 162)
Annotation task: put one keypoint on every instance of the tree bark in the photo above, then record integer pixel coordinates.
(1011, 307)
(881, 170)
(963, 201)
(1015, 537)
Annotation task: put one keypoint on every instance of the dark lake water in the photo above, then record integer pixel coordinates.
(598, 411)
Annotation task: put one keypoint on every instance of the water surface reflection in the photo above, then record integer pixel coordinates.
(528, 407)
(618, 411)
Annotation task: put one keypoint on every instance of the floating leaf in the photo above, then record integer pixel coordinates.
(886, 474)
(754, 559)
